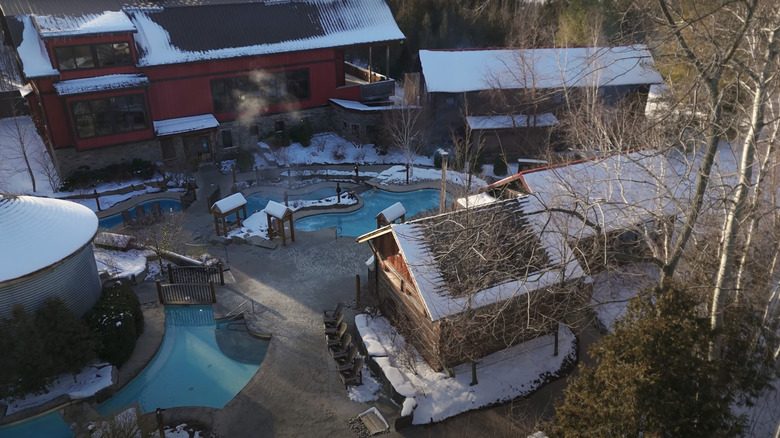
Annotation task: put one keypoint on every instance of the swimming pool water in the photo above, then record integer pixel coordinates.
(374, 201)
(189, 369)
(165, 203)
(50, 425)
(258, 201)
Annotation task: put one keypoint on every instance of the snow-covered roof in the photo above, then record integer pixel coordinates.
(32, 51)
(54, 26)
(392, 212)
(38, 232)
(197, 33)
(511, 121)
(185, 124)
(230, 203)
(276, 209)
(357, 106)
(458, 71)
(101, 83)
(616, 192)
(429, 281)
(476, 200)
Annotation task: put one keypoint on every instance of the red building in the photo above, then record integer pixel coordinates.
(181, 84)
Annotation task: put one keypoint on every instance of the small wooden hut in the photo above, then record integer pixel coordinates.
(467, 283)
(390, 215)
(235, 203)
(277, 214)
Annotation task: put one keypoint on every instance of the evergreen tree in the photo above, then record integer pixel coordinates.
(653, 377)
(66, 338)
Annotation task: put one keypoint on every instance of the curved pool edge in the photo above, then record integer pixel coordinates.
(129, 203)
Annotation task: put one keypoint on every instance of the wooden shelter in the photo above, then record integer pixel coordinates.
(464, 284)
(390, 215)
(235, 203)
(277, 214)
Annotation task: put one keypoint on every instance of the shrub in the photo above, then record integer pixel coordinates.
(437, 159)
(38, 349)
(301, 133)
(118, 320)
(245, 161)
(86, 177)
(499, 166)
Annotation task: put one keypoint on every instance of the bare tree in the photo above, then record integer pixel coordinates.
(402, 127)
(468, 150)
(21, 136)
(164, 236)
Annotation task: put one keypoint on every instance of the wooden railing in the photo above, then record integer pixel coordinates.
(196, 274)
(186, 293)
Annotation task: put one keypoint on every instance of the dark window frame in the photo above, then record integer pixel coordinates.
(271, 88)
(109, 115)
(120, 54)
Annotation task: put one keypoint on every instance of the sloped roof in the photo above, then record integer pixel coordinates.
(184, 124)
(185, 34)
(230, 203)
(36, 233)
(54, 26)
(423, 261)
(458, 71)
(100, 83)
(616, 192)
(30, 47)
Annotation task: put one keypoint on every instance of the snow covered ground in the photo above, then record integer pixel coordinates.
(434, 396)
(85, 384)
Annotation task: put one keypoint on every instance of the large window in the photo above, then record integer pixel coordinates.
(93, 56)
(113, 115)
(259, 89)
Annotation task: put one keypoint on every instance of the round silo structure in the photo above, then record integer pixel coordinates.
(46, 252)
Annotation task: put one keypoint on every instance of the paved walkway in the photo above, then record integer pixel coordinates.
(297, 391)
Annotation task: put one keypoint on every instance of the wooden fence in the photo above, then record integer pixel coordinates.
(186, 293)
(196, 274)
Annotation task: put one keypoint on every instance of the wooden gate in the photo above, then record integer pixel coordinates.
(186, 293)
(196, 274)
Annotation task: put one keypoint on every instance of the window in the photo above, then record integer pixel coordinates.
(370, 131)
(254, 129)
(259, 89)
(279, 126)
(168, 150)
(227, 138)
(113, 115)
(93, 55)
(356, 130)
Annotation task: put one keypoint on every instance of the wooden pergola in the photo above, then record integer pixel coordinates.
(390, 215)
(235, 203)
(277, 214)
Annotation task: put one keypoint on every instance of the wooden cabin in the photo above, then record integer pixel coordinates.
(465, 284)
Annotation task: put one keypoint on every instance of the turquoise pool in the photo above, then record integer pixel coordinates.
(165, 203)
(258, 201)
(362, 221)
(191, 367)
(50, 425)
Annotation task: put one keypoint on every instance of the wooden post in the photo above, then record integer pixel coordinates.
(159, 292)
(443, 194)
(160, 422)
(213, 293)
(473, 373)
(280, 224)
(97, 199)
(216, 224)
(555, 349)
(233, 168)
(357, 288)
(370, 71)
(387, 61)
(292, 229)
(221, 275)
(170, 273)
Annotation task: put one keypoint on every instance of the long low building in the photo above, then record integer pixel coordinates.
(46, 247)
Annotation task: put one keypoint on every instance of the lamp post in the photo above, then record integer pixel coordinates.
(443, 192)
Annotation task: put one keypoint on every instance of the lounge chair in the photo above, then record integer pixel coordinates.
(346, 364)
(140, 214)
(335, 323)
(334, 334)
(340, 345)
(127, 218)
(330, 316)
(354, 375)
(346, 356)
